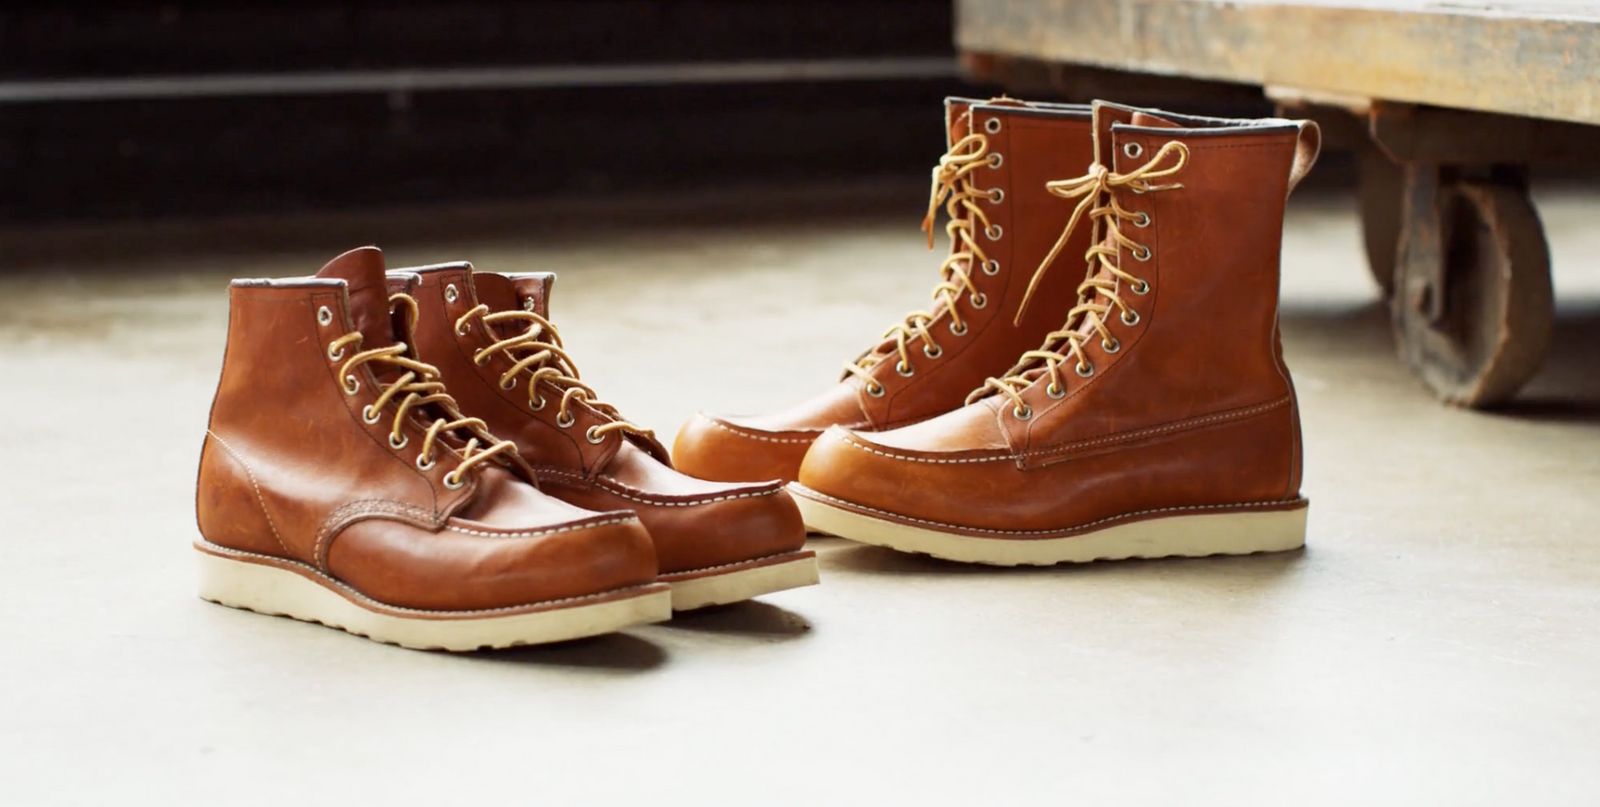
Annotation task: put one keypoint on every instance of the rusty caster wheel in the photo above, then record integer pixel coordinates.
(1473, 306)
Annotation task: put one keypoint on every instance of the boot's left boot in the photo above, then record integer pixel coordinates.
(492, 340)
(1159, 420)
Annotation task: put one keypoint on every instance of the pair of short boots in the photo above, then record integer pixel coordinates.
(411, 456)
(1042, 411)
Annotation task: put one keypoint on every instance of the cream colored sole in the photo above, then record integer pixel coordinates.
(276, 588)
(1193, 534)
(742, 581)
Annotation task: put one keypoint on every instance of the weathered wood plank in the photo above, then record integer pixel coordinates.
(1534, 59)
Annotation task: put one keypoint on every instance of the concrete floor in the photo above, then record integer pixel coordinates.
(1437, 642)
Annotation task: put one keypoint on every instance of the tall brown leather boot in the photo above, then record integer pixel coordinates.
(1002, 222)
(340, 484)
(491, 337)
(1160, 420)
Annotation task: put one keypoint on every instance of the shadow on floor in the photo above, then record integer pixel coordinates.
(618, 652)
(751, 618)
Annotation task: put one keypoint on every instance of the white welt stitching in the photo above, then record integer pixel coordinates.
(646, 498)
(252, 477)
(808, 492)
(537, 533)
(740, 432)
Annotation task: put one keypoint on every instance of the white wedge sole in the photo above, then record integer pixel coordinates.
(1179, 532)
(741, 581)
(280, 587)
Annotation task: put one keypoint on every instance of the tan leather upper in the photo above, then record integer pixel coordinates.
(296, 466)
(695, 524)
(1027, 144)
(1194, 408)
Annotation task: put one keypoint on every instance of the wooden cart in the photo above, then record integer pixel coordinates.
(1446, 105)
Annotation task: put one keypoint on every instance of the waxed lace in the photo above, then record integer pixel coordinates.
(1099, 293)
(417, 386)
(538, 351)
(953, 186)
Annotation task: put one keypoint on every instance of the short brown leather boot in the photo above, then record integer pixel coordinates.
(491, 337)
(1160, 420)
(340, 484)
(1002, 224)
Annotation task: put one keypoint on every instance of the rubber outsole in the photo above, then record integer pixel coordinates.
(737, 582)
(1238, 530)
(280, 587)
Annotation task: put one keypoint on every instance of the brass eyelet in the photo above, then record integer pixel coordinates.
(527, 304)
(993, 232)
(958, 328)
(932, 351)
(905, 369)
(1111, 345)
(592, 437)
(398, 444)
(1130, 317)
(536, 403)
(979, 300)
(991, 267)
(1141, 287)
(996, 160)
(1084, 370)
(1133, 150)
(324, 316)
(992, 126)
(1022, 412)
(565, 419)
(1141, 253)
(335, 355)
(370, 415)
(997, 195)
(1141, 220)
(507, 383)
(425, 464)
(875, 390)
(463, 329)
(450, 293)
(1055, 392)
(351, 384)
(453, 481)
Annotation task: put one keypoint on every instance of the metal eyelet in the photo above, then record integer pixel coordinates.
(1142, 287)
(1142, 253)
(993, 232)
(1111, 345)
(507, 383)
(351, 384)
(335, 355)
(1055, 392)
(370, 415)
(979, 300)
(958, 328)
(991, 267)
(454, 482)
(450, 293)
(527, 304)
(424, 466)
(1022, 413)
(324, 316)
(997, 195)
(565, 419)
(1141, 220)
(463, 329)
(592, 437)
(536, 403)
(1133, 150)
(875, 390)
(397, 444)
(996, 160)
(1130, 317)
(992, 126)
(1084, 370)
(932, 351)
(905, 369)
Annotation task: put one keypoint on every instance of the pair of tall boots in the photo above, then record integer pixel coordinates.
(1038, 413)
(411, 456)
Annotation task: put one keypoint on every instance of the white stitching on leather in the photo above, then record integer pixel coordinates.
(725, 427)
(252, 477)
(538, 533)
(645, 498)
(1063, 531)
(1068, 447)
(343, 586)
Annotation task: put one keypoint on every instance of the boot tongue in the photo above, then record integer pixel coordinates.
(362, 270)
(1143, 118)
(495, 291)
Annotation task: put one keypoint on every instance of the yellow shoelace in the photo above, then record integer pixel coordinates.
(952, 186)
(1097, 295)
(417, 386)
(538, 349)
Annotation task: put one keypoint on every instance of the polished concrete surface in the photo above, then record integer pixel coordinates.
(1437, 642)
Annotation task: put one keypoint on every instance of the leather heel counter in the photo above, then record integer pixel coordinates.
(228, 506)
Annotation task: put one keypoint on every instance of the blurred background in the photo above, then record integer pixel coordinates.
(730, 193)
